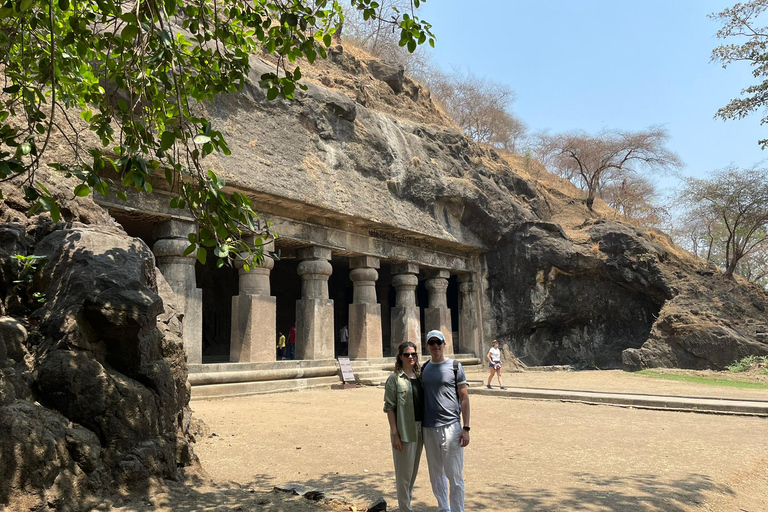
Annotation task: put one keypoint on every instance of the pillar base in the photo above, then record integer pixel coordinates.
(253, 329)
(314, 329)
(440, 319)
(405, 327)
(365, 331)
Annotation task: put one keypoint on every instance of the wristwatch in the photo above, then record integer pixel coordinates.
(466, 428)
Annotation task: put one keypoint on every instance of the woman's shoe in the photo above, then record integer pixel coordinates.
(489, 387)
(502, 387)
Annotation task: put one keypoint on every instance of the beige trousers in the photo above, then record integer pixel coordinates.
(406, 469)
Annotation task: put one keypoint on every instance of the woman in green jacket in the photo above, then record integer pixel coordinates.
(404, 405)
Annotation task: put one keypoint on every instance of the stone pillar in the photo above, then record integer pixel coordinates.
(405, 314)
(314, 312)
(365, 311)
(179, 271)
(468, 328)
(254, 313)
(437, 316)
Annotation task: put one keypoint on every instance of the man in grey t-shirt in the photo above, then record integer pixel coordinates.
(446, 401)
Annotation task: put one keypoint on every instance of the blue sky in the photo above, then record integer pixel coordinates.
(594, 64)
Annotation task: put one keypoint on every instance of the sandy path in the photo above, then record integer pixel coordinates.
(617, 381)
(524, 456)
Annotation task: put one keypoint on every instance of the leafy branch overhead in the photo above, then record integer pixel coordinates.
(128, 74)
(742, 22)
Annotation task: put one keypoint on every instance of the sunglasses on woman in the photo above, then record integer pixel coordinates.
(410, 354)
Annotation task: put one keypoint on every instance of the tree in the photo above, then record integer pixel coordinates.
(736, 200)
(131, 73)
(634, 197)
(741, 21)
(479, 106)
(380, 37)
(611, 155)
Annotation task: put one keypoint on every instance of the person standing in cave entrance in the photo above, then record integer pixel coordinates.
(292, 343)
(344, 341)
(280, 346)
(494, 363)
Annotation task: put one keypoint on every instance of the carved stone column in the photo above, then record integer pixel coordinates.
(365, 311)
(314, 312)
(468, 328)
(405, 314)
(254, 313)
(179, 271)
(437, 316)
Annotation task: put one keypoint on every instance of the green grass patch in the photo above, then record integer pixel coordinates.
(746, 363)
(708, 381)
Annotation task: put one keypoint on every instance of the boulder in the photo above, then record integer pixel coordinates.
(106, 396)
(13, 335)
(390, 73)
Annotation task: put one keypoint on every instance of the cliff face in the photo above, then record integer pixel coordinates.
(565, 285)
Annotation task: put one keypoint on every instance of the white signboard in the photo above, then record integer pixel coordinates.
(346, 369)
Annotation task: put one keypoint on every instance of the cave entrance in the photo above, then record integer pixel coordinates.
(219, 285)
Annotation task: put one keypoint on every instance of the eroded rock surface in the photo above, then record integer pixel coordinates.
(93, 394)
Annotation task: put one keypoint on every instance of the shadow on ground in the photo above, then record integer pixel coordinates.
(635, 493)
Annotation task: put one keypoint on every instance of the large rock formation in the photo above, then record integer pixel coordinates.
(93, 380)
(565, 285)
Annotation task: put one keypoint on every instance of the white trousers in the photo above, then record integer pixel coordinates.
(445, 459)
(406, 469)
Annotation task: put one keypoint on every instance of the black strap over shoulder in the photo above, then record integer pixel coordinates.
(455, 375)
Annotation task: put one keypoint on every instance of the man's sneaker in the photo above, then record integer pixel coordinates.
(502, 387)
(489, 387)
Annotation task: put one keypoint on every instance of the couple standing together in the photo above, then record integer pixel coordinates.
(425, 406)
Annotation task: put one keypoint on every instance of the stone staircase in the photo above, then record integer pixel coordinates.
(217, 380)
(235, 379)
(374, 372)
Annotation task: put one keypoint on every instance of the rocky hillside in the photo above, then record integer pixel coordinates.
(565, 285)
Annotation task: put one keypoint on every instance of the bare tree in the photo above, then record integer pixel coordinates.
(481, 107)
(634, 197)
(611, 155)
(380, 37)
(754, 267)
(736, 200)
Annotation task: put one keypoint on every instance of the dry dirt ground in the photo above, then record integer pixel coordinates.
(524, 455)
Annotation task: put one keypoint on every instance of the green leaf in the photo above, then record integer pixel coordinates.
(272, 93)
(201, 139)
(64, 5)
(55, 212)
(129, 32)
(222, 251)
(167, 140)
(82, 190)
(202, 255)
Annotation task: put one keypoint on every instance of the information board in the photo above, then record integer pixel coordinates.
(346, 369)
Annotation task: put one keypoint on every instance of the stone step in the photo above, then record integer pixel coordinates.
(207, 391)
(264, 374)
(372, 377)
